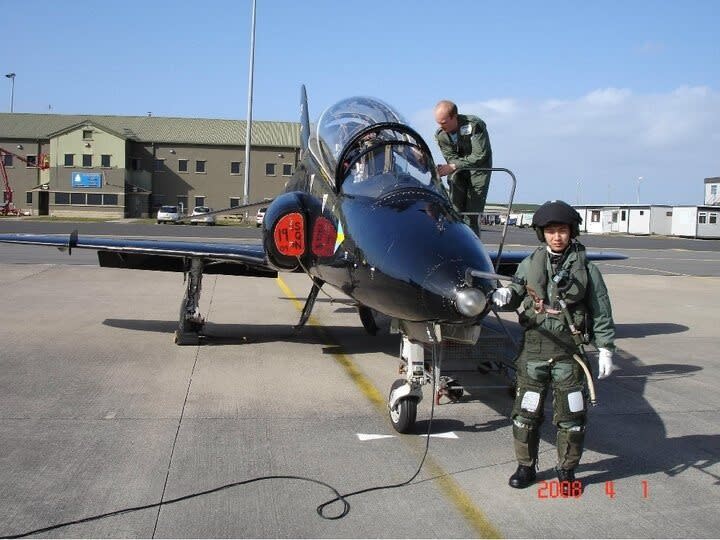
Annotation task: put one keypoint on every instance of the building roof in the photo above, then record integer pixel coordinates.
(154, 129)
(713, 180)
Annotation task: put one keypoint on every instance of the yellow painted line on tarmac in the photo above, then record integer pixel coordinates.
(452, 490)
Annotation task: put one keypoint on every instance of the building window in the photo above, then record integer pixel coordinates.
(62, 198)
(269, 169)
(595, 216)
(8, 160)
(78, 198)
(622, 215)
(234, 167)
(642, 212)
(234, 202)
(105, 161)
(713, 218)
(87, 160)
(668, 214)
(110, 199)
(713, 189)
(200, 201)
(135, 164)
(94, 199)
(31, 160)
(702, 217)
(87, 134)
(28, 197)
(200, 167)
(287, 169)
(159, 165)
(69, 160)
(182, 165)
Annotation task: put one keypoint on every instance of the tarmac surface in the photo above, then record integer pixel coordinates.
(100, 412)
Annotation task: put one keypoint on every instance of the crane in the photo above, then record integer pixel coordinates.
(7, 207)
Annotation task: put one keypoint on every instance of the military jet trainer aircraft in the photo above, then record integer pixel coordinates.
(364, 212)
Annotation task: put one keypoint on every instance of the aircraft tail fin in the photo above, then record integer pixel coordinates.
(304, 120)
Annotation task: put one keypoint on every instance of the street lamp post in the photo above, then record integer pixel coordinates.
(12, 91)
(638, 188)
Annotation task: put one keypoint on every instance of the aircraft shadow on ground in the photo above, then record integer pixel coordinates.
(354, 338)
(324, 300)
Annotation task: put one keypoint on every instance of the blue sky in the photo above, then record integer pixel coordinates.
(581, 98)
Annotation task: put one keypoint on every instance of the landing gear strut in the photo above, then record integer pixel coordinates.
(191, 322)
(406, 393)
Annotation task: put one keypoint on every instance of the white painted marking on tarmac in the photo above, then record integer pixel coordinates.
(372, 436)
(448, 435)
(375, 436)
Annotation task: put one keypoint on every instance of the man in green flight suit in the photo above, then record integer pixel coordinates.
(558, 270)
(464, 142)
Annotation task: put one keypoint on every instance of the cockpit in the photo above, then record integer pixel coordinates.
(368, 149)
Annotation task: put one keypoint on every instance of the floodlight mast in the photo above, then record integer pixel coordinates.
(11, 76)
(248, 128)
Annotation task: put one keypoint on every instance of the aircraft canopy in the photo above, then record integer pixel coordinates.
(342, 121)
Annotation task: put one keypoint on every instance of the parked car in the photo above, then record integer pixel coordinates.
(259, 216)
(200, 215)
(168, 214)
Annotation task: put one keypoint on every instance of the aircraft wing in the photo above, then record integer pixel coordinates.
(166, 255)
(509, 260)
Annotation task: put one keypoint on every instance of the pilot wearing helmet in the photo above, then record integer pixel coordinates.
(557, 270)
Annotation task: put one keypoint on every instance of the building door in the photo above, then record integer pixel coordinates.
(43, 202)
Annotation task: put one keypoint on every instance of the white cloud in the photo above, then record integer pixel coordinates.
(606, 139)
(606, 98)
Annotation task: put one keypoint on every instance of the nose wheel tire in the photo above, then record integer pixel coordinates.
(404, 414)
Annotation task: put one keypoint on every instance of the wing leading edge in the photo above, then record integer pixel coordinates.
(509, 260)
(165, 255)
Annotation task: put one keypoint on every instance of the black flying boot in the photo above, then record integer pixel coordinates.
(523, 477)
(566, 477)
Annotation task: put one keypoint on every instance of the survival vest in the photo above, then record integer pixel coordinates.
(569, 277)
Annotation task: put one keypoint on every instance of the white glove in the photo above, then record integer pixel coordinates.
(501, 296)
(605, 363)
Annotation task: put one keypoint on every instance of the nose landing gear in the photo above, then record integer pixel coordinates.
(402, 403)
(405, 394)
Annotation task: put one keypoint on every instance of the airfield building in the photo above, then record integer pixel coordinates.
(128, 166)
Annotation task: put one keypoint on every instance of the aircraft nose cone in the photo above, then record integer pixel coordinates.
(470, 302)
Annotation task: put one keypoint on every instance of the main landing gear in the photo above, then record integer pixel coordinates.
(191, 323)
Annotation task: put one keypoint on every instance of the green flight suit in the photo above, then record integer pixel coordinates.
(545, 361)
(468, 189)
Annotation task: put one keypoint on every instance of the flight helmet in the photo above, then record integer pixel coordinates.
(556, 212)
